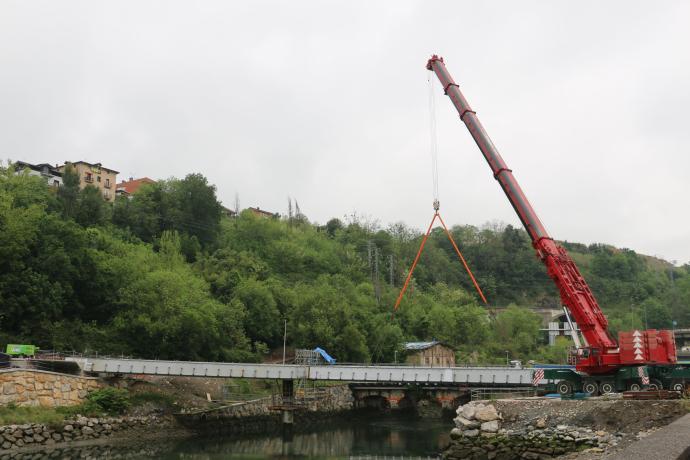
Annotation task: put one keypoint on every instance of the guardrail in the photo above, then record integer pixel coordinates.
(501, 393)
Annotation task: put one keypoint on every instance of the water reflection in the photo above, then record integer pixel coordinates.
(357, 438)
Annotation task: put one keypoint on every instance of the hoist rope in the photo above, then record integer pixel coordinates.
(433, 139)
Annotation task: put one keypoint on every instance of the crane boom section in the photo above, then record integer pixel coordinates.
(574, 291)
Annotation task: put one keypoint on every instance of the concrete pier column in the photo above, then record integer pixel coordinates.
(288, 402)
(288, 417)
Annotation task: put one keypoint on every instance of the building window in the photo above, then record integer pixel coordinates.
(89, 177)
(56, 183)
(98, 178)
(107, 183)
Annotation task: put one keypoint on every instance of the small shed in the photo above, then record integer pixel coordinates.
(434, 354)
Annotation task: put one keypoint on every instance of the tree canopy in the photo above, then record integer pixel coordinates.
(162, 274)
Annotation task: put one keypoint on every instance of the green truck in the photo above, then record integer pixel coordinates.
(21, 350)
(565, 380)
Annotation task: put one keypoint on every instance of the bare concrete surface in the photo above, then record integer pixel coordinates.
(669, 443)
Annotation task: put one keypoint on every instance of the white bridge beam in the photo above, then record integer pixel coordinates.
(357, 373)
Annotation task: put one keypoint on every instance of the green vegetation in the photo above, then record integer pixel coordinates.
(111, 400)
(105, 401)
(11, 414)
(165, 275)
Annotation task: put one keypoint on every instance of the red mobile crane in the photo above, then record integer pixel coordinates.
(602, 365)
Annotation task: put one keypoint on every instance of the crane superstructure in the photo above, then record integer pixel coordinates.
(602, 354)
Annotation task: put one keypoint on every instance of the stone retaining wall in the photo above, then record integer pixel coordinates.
(29, 387)
(262, 414)
(82, 428)
(479, 435)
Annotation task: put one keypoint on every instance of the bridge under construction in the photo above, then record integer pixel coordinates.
(469, 376)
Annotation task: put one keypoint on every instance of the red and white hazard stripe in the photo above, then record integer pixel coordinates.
(643, 376)
(537, 377)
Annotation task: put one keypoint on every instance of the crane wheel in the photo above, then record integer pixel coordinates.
(654, 385)
(591, 387)
(564, 388)
(607, 388)
(678, 386)
(634, 387)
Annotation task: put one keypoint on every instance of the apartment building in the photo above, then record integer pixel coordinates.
(104, 179)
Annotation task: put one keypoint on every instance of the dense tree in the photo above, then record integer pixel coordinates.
(91, 208)
(161, 274)
(68, 193)
(188, 206)
(263, 317)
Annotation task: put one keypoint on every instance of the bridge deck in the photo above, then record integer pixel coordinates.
(359, 373)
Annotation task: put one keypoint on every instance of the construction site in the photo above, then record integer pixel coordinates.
(531, 313)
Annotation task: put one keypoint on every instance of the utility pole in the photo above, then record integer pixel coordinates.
(237, 208)
(377, 287)
(289, 212)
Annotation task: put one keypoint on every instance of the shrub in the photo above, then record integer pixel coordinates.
(110, 399)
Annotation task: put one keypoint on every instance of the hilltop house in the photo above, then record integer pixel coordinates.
(50, 173)
(104, 179)
(261, 213)
(130, 187)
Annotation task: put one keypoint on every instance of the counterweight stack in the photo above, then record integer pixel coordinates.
(602, 355)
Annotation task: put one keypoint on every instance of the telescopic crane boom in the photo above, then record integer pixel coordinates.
(603, 354)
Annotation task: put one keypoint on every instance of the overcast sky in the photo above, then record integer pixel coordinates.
(328, 102)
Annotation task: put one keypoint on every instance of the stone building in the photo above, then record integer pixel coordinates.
(104, 179)
(433, 354)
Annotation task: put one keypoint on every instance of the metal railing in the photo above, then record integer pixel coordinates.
(489, 393)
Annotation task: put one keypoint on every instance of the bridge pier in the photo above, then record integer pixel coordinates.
(287, 411)
(404, 397)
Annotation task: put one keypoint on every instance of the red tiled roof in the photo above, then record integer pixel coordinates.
(131, 186)
(260, 212)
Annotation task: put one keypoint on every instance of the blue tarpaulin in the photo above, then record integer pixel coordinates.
(329, 359)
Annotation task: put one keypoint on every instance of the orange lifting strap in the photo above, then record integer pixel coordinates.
(419, 253)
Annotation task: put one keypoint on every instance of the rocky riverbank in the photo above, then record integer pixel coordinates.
(544, 428)
(479, 434)
(14, 437)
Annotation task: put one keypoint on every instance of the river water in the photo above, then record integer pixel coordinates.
(357, 438)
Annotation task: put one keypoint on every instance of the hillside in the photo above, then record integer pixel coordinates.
(165, 275)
